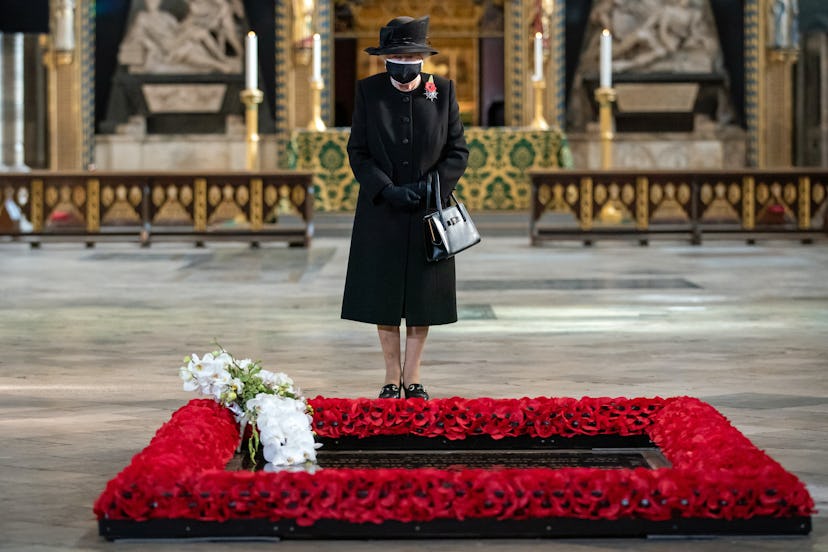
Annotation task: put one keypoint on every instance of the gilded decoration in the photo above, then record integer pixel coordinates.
(777, 202)
(804, 202)
(670, 202)
(692, 202)
(153, 204)
(256, 204)
(642, 199)
(200, 205)
(496, 177)
(586, 211)
(171, 206)
(613, 201)
(120, 204)
(226, 204)
(720, 201)
(65, 204)
(93, 205)
(37, 205)
(455, 29)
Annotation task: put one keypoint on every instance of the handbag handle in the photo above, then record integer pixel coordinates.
(438, 198)
(432, 176)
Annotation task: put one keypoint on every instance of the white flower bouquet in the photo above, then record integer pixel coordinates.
(279, 416)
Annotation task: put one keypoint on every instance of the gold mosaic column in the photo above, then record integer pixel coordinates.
(778, 108)
(768, 85)
(70, 64)
(518, 35)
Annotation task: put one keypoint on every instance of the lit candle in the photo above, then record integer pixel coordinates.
(606, 59)
(252, 61)
(317, 57)
(538, 57)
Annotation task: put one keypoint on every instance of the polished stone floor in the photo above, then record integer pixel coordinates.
(92, 339)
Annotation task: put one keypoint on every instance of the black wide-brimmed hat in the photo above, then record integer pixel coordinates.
(404, 35)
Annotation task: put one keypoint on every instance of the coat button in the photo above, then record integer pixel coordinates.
(406, 99)
(405, 163)
(405, 119)
(405, 140)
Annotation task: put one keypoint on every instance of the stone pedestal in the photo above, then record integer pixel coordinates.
(171, 152)
(708, 147)
(175, 104)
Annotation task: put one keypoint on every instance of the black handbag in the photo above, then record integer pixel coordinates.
(448, 230)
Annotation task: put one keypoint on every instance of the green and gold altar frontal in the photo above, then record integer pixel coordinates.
(496, 178)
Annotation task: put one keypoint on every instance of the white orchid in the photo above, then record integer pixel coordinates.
(281, 414)
(285, 429)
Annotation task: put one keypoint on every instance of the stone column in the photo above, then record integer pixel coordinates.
(3, 81)
(778, 47)
(67, 62)
(18, 122)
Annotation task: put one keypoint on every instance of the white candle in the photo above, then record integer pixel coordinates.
(538, 57)
(606, 59)
(65, 27)
(252, 59)
(317, 57)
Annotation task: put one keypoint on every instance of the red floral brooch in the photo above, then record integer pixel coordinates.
(431, 89)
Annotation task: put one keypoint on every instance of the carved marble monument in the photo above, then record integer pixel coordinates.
(175, 100)
(206, 40)
(180, 68)
(672, 105)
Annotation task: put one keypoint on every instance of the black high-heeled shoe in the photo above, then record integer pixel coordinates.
(416, 391)
(390, 391)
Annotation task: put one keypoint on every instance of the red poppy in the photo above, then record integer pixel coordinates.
(716, 472)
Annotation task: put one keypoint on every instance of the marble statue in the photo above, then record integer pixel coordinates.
(547, 13)
(654, 36)
(783, 24)
(303, 21)
(664, 37)
(794, 23)
(660, 36)
(206, 40)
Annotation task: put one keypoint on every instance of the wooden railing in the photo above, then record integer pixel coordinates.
(790, 203)
(92, 206)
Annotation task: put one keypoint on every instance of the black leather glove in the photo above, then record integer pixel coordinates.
(400, 197)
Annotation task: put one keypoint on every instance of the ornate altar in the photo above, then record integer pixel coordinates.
(491, 29)
(496, 178)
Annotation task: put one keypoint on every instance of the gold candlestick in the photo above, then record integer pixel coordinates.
(316, 98)
(605, 98)
(251, 98)
(539, 122)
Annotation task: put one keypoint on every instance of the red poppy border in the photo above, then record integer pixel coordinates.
(716, 472)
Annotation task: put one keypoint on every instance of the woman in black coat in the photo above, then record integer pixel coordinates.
(406, 124)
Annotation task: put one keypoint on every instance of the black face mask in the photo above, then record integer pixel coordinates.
(403, 73)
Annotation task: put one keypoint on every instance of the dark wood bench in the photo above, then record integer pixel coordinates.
(640, 204)
(151, 206)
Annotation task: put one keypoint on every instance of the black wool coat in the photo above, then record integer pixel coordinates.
(398, 138)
